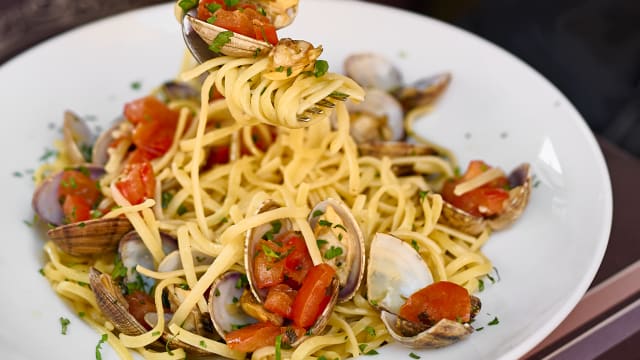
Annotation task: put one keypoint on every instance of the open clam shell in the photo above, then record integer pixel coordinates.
(394, 273)
(92, 237)
(251, 240)
(238, 45)
(444, 332)
(78, 138)
(339, 234)
(224, 309)
(45, 201)
(112, 304)
(520, 183)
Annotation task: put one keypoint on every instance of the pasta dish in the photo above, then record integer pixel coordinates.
(250, 209)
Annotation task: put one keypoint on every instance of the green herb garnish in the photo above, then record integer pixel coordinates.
(278, 345)
(320, 68)
(187, 5)
(495, 321)
(333, 252)
(64, 322)
(221, 40)
(414, 356)
(103, 339)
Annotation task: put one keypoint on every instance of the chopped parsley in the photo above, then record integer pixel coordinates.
(155, 333)
(41, 271)
(362, 347)
(119, 270)
(317, 213)
(414, 244)
(275, 228)
(17, 174)
(340, 226)
(187, 5)
(213, 7)
(81, 314)
(333, 252)
(480, 328)
(181, 210)
(241, 282)
(480, 285)
(166, 199)
(278, 345)
(325, 223)
(414, 355)
(48, 153)
(320, 68)
(216, 292)
(321, 242)
(289, 71)
(495, 321)
(136, 85)
(231, 3)
(103, 339)
(270, 252)
(370, 330)
(64, 323)
(262, 11)
(203, 344)
(221, 40)
(212, 19)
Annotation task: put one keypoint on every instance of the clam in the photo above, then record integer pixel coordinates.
(224, 307)
(422, 92)
(378, 118)
(372, 70)
(134, 252)
(113, 304)
(280, 12)
(394, 273)
(91, 237)
(45, 201)
(520, 188)
(341, 243)
(78, 139)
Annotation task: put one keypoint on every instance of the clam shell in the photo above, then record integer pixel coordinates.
(252, 238)
(92, 237)
(394, 273)
(238, 46)
(77, 138)
(443, 333)
(423, 92)
(113, 304)
(520, 181)
(372, 70)
(352, 265)
(223, 310)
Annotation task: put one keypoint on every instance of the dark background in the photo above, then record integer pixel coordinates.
(590, 49)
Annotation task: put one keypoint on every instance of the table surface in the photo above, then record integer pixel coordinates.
(605, 324)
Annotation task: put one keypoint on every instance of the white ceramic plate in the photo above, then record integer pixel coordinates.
(496, 109)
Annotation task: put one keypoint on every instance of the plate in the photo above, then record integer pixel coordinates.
(497, 109)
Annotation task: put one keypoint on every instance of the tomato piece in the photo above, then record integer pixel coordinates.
(280, 300)
(155, 124)
(440, 300)
(75, 209)
(244, 19)
(140, 303)
(298, 261)
(218, 155)
(269, 270)
(486, 200)
(137, 182)
(74, 182)
(313, 296)
(252, 337)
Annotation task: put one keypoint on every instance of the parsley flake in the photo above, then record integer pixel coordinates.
(221, 40)
(187, 5)
(495, 321)
(278, 345)
(414, 355)
(370, 330)
(320, 68)
(103, 339)
(333, 252)
(317, 213)
(64, 322)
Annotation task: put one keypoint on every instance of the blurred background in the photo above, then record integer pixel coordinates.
(590, 49)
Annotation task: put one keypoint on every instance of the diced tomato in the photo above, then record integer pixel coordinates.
(75, 208)
(140, 303)
(440, 300)
(313, 296)
(298, 261)
(280, 300)
(155, 125)
(486, 200)
(269, 271)
(245, 20)
(74, 182)
(252, 337)
(137, 182)
(218, 155)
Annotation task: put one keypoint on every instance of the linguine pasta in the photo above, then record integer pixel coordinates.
(212, 208)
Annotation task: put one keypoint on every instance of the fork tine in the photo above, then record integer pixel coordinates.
(326, 103)
(339, 96)
(315, 110)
